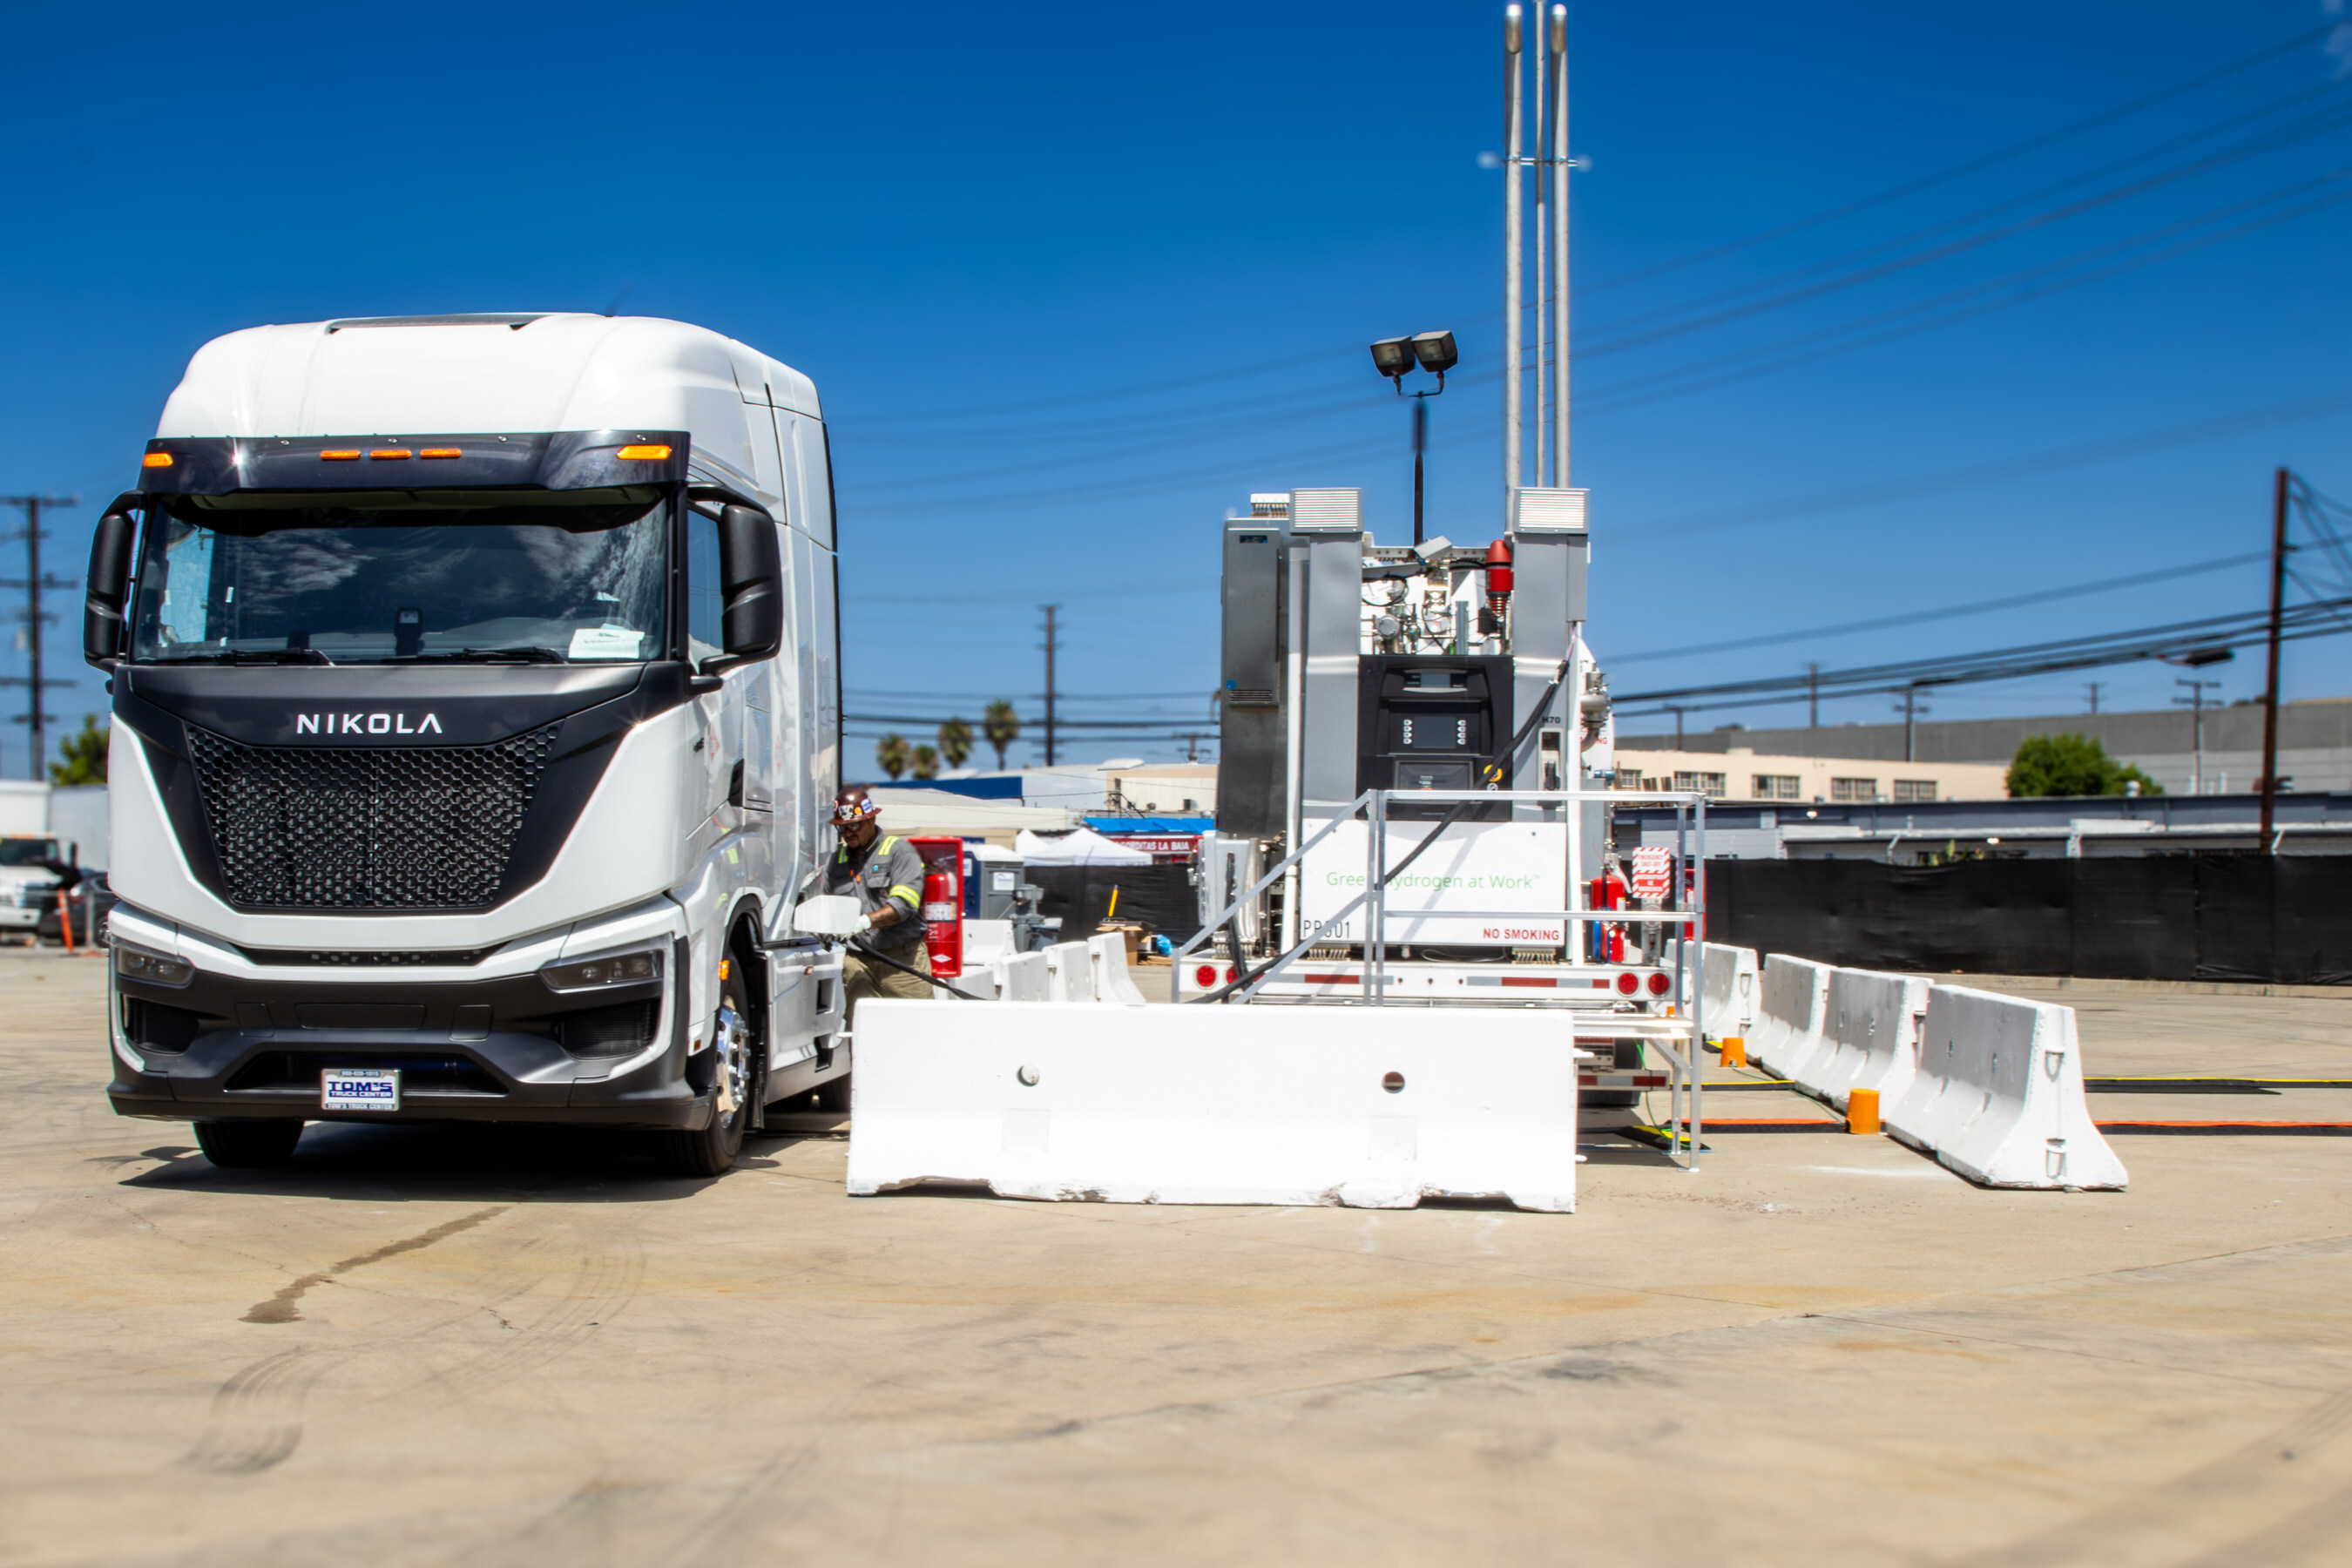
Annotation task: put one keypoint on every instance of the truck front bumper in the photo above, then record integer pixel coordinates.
(497, 1047)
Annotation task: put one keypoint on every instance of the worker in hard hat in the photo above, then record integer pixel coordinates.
(885, 875)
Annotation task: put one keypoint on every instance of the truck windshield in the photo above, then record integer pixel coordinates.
(27, 851)
(381, 577)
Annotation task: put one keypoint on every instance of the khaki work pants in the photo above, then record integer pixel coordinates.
(861, 978)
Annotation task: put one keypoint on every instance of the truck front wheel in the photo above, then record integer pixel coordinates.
(242, 1142)
(735, 1079)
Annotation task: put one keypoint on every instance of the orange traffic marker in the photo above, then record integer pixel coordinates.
(1862, 1111)
(1735, 1051)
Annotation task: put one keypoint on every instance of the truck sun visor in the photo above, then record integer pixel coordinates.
(554, 460)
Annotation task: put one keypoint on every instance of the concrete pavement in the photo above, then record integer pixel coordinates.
(466, 1346)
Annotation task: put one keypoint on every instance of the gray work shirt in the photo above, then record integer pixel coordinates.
(886, 872)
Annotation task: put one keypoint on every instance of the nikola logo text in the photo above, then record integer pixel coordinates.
(365, 724)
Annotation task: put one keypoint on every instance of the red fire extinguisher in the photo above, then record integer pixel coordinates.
(943, 903)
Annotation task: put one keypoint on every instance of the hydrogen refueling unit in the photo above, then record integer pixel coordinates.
(1419, 969)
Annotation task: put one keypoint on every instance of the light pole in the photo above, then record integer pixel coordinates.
(1396, 359)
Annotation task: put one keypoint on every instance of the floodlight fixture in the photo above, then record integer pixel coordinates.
(1393, 357)
(1436, 352)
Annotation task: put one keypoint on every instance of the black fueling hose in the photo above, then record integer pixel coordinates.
(1490, 773)
(865, 952)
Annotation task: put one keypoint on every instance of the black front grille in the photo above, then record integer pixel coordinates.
(280, 1071)
(455, 957)
(344, 829)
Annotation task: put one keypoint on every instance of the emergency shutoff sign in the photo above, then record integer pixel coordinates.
(1653, 871)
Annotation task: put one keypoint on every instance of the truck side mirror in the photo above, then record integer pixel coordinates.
(751, 589)
(110, 582)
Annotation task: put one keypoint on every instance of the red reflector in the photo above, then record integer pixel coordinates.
(1543, 982)
(1232, 975)
(1660, 984)
(1629, 984)
(1205, 977)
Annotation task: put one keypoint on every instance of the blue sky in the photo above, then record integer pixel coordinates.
(1072, 281)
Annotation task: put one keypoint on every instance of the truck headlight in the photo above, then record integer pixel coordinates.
(634, 968)
(154, 968)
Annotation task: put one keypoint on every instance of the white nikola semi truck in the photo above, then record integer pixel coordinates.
(477, 703)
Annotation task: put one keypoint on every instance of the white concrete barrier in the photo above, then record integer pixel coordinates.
(1998, 1095)
(1870, 1032)
(1027, 978)
(1112, 982)
(1367, 1108)
(1789, 1001)
(1072, 966)
(1727, 983)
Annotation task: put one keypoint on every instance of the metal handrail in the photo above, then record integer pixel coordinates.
(1230, 911)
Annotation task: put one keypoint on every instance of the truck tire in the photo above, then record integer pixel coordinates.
(712, 1151)
(233, 1145)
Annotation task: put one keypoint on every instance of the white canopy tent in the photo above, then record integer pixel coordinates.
(1081, 847)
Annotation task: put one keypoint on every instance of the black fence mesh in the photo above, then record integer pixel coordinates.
(347, 828)
(1161, 897)
(2273, 920)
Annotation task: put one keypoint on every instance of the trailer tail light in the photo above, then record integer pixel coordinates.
(339, 455)
(1232, 975)
(383, 453)
(1660, 984)
(655, 454)
(442, 452)
(156, 460)
(1629, 984)
(1205, 977)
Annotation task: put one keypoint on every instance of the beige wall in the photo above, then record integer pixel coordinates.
(1818, 779)
(1163, 788)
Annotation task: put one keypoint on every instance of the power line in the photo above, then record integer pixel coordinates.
(1948, 611)
(1972, 165)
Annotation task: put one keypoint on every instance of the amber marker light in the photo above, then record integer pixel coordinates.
(644, 454)
(156, 460)
(382, 453)
(441, 452)
(338, 455)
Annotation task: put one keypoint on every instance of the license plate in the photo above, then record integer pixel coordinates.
(359, 1088)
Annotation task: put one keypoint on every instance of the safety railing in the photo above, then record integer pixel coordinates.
(1687, 882)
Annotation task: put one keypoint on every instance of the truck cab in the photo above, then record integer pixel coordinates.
(476, 684)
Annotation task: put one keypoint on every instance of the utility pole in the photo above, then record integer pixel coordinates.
(1420, 446)
(2195, 703)
(2271, 687)
(1053, 646)
(1192, 739)
(1813, 696)
(1678, 714)
(1911, 710)
(2095, 685)
(32, 583)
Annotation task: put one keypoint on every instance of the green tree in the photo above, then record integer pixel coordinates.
(924, 762)
(1001, 725)
(2072, 764)
(955, 742)
(84, 754)
(890, 754)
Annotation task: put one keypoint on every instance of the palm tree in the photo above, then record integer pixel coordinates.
(924, 762)
(1001, 725)
(955, 742)
(890, 754)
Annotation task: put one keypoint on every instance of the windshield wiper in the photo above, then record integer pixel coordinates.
(510, 655)
(251, 656)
